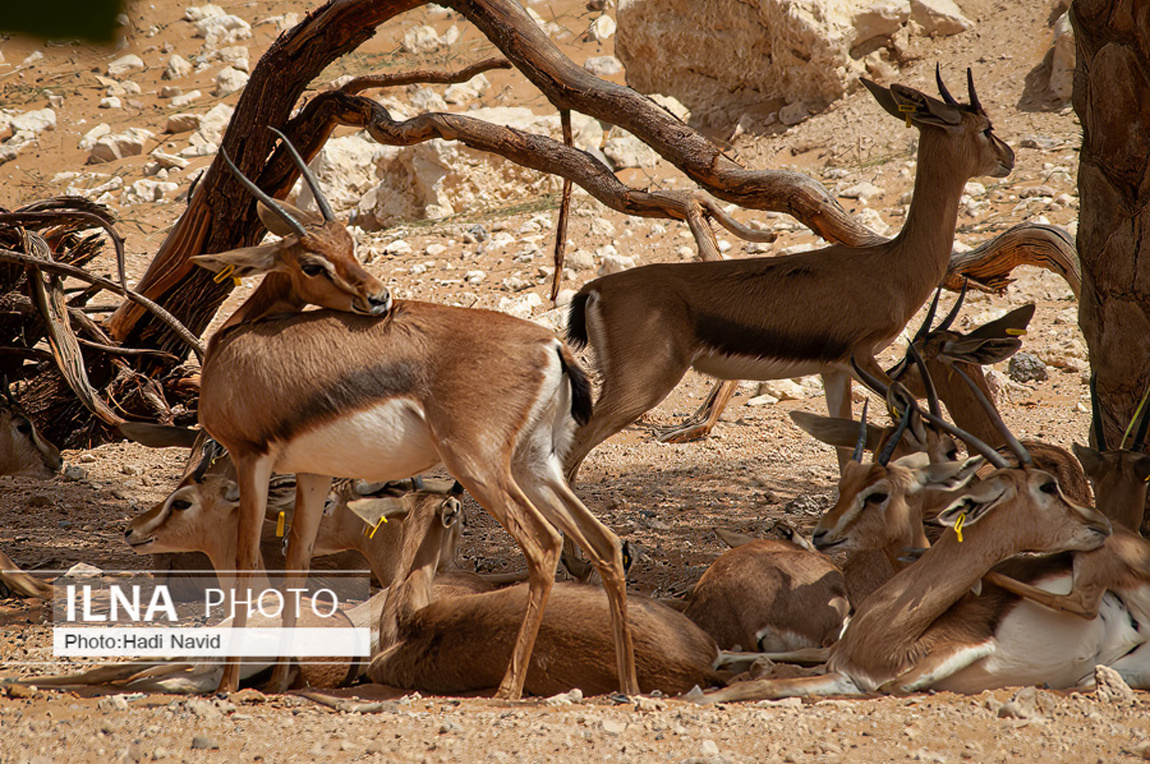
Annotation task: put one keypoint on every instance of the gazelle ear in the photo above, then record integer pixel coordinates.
(975, 502)
(1089, 458)
(733, 538)
(907, 103)
(276, 224)
(372, 511)
(834, 431)
(946, 476)
(245, 261)
(992, 342)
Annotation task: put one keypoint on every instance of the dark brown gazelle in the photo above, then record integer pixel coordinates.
(313, 264)
(770, 318)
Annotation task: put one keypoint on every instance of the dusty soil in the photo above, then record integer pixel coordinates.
(666, 499)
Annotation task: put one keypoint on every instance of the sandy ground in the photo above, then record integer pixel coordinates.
(665, 499)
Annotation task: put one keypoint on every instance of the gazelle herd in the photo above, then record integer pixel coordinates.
(369, 388)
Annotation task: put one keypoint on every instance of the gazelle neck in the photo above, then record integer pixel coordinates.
(933, 215)
(273, 295)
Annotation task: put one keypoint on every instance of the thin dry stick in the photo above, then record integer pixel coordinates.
(564, 209)
(421, 76)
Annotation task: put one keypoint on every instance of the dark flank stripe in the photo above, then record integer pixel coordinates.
(357, 390)
(734, 338)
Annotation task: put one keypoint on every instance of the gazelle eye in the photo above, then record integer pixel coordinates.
(24, 428)
(1049, 487)
(875, 498)
(952, 455)
(181, 504)
(311, 270)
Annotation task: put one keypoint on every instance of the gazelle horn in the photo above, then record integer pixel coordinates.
(269, 202)
(312, 183)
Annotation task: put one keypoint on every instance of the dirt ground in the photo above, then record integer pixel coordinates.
(665, 499)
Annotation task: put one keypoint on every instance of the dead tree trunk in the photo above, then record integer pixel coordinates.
(1112, 100)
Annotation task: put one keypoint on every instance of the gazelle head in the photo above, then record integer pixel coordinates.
(316, 254)
(979, 152)
(22, 449)
(1118, 475)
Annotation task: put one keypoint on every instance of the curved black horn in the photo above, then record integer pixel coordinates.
(946, 96)
(953, 314)
(264, 197)
(858, 453)
(974, 102)
(1138, 415)
(1140, 434)
(892, 444)
(927, 382)
(872, 382)
(1096, 415)
(925, 328)
(988, 453)
(1019, 450)
(312, 183)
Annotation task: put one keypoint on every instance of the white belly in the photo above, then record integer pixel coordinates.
(1037, 645)
(387, 442)
(752, 367)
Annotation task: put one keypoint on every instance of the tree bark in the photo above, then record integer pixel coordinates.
(1112, 100)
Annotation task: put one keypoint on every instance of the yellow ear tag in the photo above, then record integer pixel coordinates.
(1016, 332)
(224, 273)
(958, 526)
(374, 528)
(280, 524)
(907, 109)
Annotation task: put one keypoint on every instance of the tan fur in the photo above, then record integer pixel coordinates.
(649, 325)
(445, 644)
(492, 393)
(770, 596)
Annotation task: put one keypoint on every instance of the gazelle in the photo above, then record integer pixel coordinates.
(23, 451)
(460, 644)
(493, 398)
(768, 318)
(770, 596)
(920, 631)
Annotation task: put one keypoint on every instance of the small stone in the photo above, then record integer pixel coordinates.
(793, 113)
(182, 123)
(643, 703)
(421, 39)
(187, 98)
(615, 264)
(603, 66)
(178, 67)
(614, 726)
(204, 743)
(580, 260)
(170, 91)
(710, 748)
(230, 80)
(1024, 367)
(21, 691)
(125, 65)
(110, 102)
(1024, 705)
(75, 472)
(112, 703)
(1111, 687)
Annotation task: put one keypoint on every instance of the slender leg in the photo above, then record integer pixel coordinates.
(540, 542)
(700, 424)
(794, 687)
(253, 473)
(1083, 601)
(310, 493)
(837, 386)
(562, 507)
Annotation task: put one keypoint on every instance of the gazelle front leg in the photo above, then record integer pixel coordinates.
(1083, 600)
(253, 471)
(837, 388)
(310, 493)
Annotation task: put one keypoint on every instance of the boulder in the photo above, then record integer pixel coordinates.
(178, 67)
(125, 65)
(223, 30)
(1062, 59)
(939, 17)
(346, 169)
(110, 147)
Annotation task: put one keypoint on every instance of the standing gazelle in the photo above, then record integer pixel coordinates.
(325, 394)
(768, 318)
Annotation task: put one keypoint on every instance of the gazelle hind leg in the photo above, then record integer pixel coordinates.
(562, 507)
(252, 473)
(506, 502)
(837, 388)
(310, 493)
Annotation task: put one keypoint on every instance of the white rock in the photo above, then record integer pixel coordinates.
(782, 389)
(170, 91)
(223, 30)
(615, 264)
(181, 123)
(35, 121)
(580, 260)
(235, 56)
(125, 65)
(602, 28)
(523, 306)
(1062, 59)
(602, 227)
(115, 146)
(872, 220)
(939, 17)
(131, 88)
(286, 21)
(882, 19)
(178, 67)
(464, 92)
(974, 188)
(90, 137)
(213, 124)
(672, 105)
(190, 97)
(861, 191)
(625, 150)
(147, 190)
(426, 99)
(169, 161)
(474, 277)
(32, 58)
(201, 12)
(346, 169)
(603, 66)
(230, 80)
(725, 58)
(421, 39)
(110, 102)
(83, 570)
